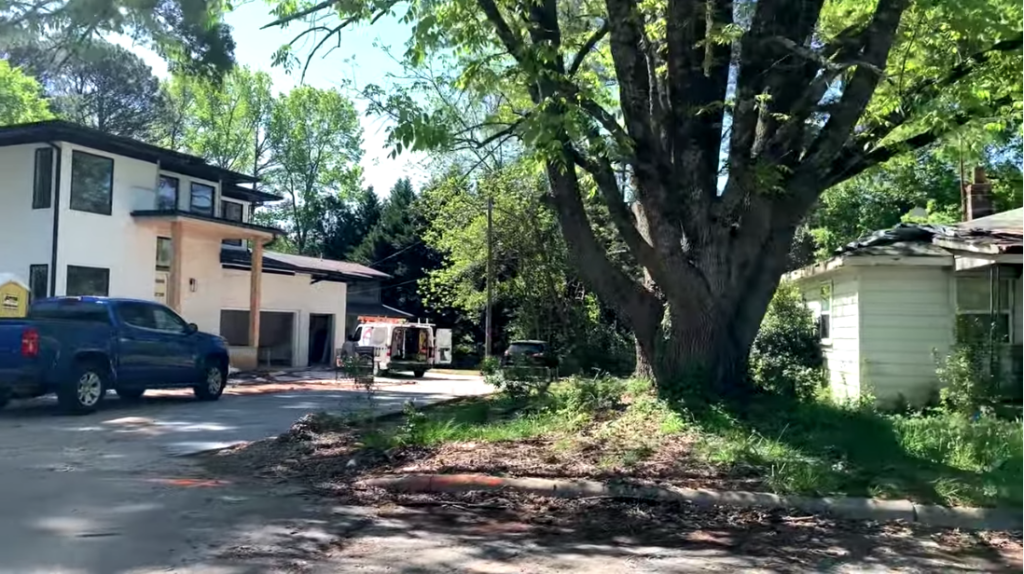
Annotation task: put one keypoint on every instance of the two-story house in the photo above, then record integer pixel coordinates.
(83, 212)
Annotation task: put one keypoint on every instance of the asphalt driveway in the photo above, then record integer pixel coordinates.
(109, 492)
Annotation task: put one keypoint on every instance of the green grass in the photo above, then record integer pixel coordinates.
(799, 448)
(486, 419)
(814, 448)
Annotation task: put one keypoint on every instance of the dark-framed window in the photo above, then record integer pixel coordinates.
(92, 182)
(39, 281)
(42, 183)
(201, 199)
(164, 253)
(167, 192)
(232, 212)
(83, 281)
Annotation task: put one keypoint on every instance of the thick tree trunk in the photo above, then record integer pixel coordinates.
(698, 356)
(703, 346)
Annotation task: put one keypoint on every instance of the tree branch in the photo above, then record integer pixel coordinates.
(596, 37)
(931, 88)
(632, 303)
(300, 14)
(512, 42)
(854, 161)
(879, 38)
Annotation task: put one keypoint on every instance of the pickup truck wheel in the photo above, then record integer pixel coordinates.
(213, 386)
(84, 392)
(418, 373)
(130, 394)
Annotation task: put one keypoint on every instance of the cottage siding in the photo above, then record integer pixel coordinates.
(907, 319)
(842, 349)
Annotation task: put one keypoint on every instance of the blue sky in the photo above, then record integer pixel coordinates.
(358, 61)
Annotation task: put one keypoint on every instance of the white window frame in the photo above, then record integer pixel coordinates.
(823, 312)
(1011, 284)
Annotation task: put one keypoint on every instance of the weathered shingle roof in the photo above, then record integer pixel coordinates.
(276, 261)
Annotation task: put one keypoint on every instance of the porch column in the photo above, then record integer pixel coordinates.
(174, 287)
(255, 281)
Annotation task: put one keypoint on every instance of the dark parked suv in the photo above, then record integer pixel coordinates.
(530, 353)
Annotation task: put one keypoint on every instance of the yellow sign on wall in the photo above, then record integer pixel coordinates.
(14, 296)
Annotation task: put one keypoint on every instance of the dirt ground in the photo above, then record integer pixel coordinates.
(504, 532)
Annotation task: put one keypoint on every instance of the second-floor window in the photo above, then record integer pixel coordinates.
(232, 212)
(42, 185)
(92, 182)
(202, 199)
(167, 193)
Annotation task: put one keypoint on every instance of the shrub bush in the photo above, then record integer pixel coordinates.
(786, 356)
(588, 395)
(967, 383)
(490, 365)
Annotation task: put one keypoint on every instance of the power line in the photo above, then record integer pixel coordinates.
(381, 288)
(406, 248)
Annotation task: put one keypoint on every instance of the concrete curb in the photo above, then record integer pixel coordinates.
(843, 507)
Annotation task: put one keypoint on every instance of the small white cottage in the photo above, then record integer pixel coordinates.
(888, 305)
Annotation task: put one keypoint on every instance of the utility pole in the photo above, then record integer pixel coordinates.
(488, 338)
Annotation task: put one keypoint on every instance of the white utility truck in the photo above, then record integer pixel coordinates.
(399, 345)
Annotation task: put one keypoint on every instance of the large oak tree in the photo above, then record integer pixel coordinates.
(709, 127)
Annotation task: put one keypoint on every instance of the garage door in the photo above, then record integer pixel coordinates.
(277, 334)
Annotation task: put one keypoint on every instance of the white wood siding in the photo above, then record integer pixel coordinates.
(907, 317)
(842, 349)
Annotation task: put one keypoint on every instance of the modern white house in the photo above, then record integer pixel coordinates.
(83, 212)
(889, 305)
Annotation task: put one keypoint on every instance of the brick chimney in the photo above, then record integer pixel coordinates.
(978, 196)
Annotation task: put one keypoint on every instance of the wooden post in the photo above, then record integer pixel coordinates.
(174, 286)
(255, 280)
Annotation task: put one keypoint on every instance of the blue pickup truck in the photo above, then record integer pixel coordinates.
(81, 347)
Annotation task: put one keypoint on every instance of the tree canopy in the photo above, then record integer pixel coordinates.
(709, 128)
(20, 97)
(96, 84)
(190, 34)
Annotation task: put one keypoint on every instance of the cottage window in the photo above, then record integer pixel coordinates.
(202, 198)
(983, 309)
(42, 185)
(83, 281)
(825, 312)
(92, 182)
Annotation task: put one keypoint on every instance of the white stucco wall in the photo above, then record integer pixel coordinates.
(842, 348)
(907, 316)
(26, 234)
(201, 262)
(293, 294)
(116, 241)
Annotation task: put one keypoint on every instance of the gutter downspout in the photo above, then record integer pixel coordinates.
(56, 220)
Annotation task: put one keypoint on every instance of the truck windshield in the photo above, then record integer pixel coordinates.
(525, 348)
(70, 310)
